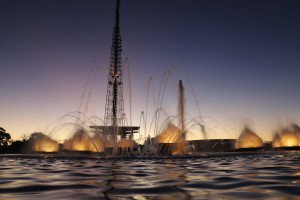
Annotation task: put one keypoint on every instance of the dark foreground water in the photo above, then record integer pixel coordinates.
(270, 175)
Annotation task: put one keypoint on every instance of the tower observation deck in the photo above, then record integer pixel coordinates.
(114, 119)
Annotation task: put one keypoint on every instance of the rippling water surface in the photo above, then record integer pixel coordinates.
(271, 175)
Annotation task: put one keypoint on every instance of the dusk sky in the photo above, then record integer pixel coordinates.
(239, 59)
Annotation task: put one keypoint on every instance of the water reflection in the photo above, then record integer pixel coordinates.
(259, 176)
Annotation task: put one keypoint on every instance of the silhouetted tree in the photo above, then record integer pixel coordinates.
(5, 139)
(19, 146)
(25, 137)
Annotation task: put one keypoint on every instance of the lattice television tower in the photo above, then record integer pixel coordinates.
(114, 118)
(114, 108)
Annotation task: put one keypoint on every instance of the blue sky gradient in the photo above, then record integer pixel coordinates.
(238, 59)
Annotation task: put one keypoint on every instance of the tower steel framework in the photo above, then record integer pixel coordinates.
(114, 107)
(114, 118)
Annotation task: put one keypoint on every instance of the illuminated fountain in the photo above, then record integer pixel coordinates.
(169, 141)
(287, 138)
(169, 132)
(85, 139)
(249, 140)
(82, 141)
(39, 142)
(172, 140)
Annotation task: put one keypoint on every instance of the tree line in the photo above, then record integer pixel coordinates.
(8, 145)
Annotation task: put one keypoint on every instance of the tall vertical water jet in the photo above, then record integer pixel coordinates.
(172, 138)
(181, 140)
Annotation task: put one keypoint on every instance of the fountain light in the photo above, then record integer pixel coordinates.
(39, 142)
(82, 141)
(286, 138)
(170, 135)
(248, 139)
